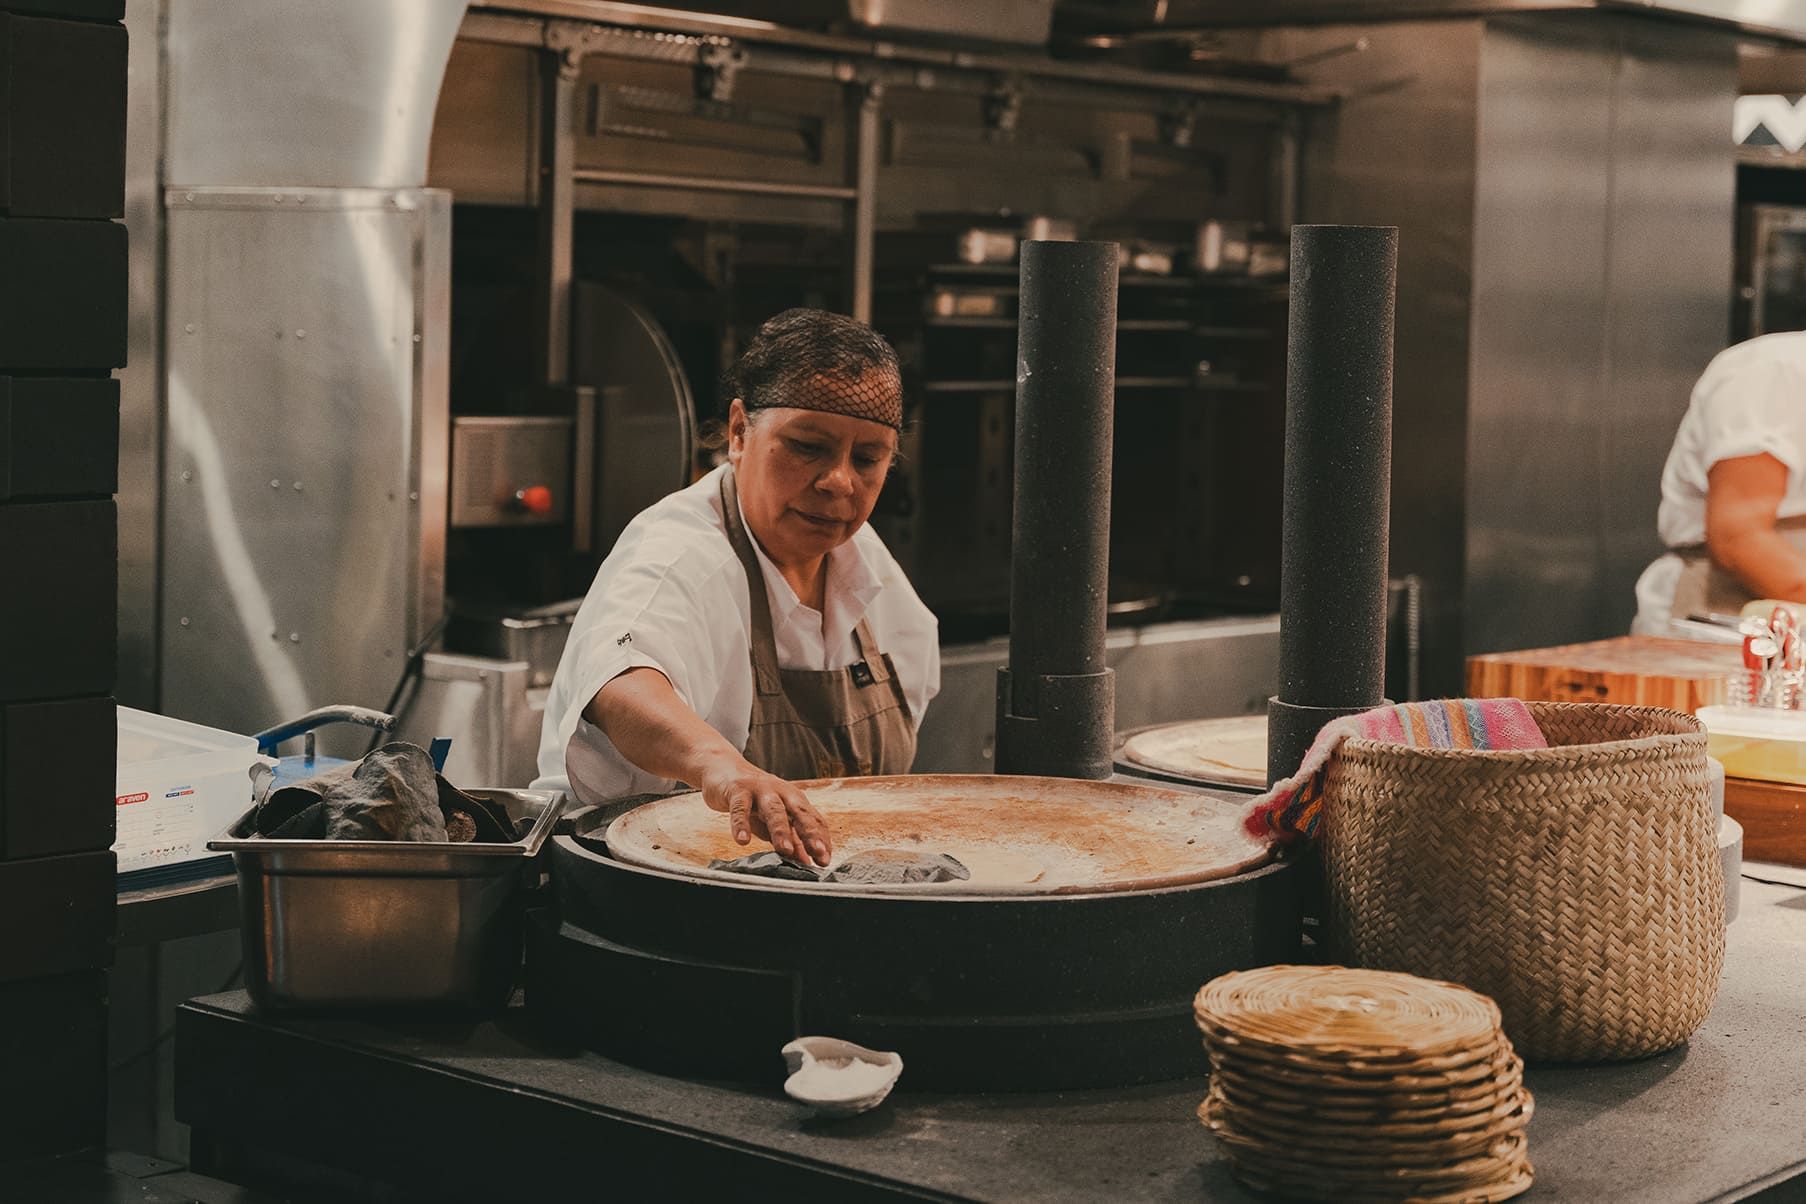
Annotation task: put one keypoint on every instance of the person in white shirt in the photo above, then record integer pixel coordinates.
(752, 629)
(1733, 510)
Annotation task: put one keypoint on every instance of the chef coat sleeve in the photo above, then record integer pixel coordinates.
(1760, 409)
(651, 615)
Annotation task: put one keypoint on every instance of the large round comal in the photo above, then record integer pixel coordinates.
(1094, 912)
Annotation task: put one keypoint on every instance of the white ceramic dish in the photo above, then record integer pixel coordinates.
(839, 1078)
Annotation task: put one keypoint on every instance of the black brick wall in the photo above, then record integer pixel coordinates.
(62, 333)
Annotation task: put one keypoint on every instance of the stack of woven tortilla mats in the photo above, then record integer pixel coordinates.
(1336, 1084)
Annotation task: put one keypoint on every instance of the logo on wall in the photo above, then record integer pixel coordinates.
(1770, 121)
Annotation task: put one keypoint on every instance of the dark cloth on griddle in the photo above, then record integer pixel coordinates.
(876, 867)
(769, 865)
(898, 867)
(392, 794)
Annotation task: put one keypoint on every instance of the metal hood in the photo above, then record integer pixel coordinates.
(1785, 19)
(318, 93)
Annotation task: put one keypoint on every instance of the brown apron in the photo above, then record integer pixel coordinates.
(818, 723)
(1704, 588)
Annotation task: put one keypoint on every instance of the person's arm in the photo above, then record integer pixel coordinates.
(650, 725)
(1743, 496)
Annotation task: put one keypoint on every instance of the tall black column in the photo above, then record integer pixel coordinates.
(1338, 473)
(1056, 703)
(62, 332)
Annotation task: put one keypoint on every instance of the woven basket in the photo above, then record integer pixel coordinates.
(1578, 885)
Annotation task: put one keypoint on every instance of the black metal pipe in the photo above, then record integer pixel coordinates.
(1056, 702)
(1338, 474)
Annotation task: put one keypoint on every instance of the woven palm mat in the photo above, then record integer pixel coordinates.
(1465, 1083)
(1368, 1016)
(1376, 1163)
(1429, 1142)
(1357, 1084)
(1333, 1121)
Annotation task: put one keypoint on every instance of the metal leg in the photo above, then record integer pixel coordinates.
(1283, 203)
(862, 169)
(557, 200)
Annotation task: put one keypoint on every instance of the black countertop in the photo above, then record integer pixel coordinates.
(447, 1109)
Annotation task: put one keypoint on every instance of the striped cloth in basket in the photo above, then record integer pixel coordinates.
(1291, 809)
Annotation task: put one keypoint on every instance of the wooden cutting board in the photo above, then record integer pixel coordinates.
(1773, 815)
(1682, 675)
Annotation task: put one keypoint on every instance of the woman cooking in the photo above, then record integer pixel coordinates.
(751, 628)
(1733, 510)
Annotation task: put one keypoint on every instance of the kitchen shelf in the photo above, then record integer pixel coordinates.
(1125, 280)
(975, 321)
(1234, 332)
(1009, 386)
(969, 386)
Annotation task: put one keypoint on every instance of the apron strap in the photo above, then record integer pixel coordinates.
(1793, 527)
(877, 667)
(763, 641)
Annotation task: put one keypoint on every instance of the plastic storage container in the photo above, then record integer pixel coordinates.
(1757, 742)
(177, 785)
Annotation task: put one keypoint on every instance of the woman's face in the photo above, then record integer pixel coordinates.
(807, 480)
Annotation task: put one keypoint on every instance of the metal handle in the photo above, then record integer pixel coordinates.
(583, 470)
(269, 739)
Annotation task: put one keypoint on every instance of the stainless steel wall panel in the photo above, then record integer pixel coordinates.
(1541, 218)
(331, 93)
(1603, 242)
(303, 524)
(141, 380)
(1671, 246)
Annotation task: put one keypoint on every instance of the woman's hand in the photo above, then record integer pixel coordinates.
(763, 805)
(642, 714)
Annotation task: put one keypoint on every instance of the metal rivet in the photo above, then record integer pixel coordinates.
(416, 338)
(279, 198)
(482, 675)
(191, 196)
(184, 620)
(297, 487)
(300, 334)
(294, 637)
(414, 496)
(275, 484)
(189, 328)
(187, 475)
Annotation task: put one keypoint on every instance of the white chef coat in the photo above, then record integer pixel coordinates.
(672, 596)
(1751, 399)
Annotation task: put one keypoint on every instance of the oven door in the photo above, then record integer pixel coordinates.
(1771, 269)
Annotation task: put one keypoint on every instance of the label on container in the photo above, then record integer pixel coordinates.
(158, 834)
